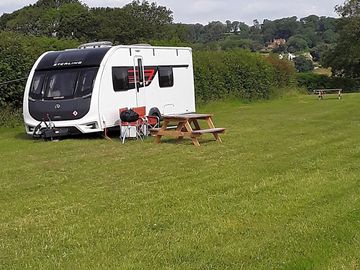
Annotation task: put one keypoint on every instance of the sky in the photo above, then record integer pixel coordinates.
(204, 11)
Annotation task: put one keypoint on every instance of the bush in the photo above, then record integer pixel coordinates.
(220, 75)
(285, 75)
(240, 73)
(313, 81)
(18, 53)
(10, 117)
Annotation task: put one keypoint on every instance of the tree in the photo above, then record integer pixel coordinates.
(144, 21)
(214, 31)
(232, 27)
(235, 26)
(74, 21)
(311, 21)
(286, 27)
(326, 23)
(302, 64)
(296, 44)
(147, 20)
(228, 26)
(344, 58)
(318, 52)
(54, 3)
(255, 32)
(236, 42)
(196, 32)
(134, 22)
(350, 9)
(269, 30)
(329, 36)
(244, 30)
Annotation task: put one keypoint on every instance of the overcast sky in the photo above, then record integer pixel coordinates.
(204, 11)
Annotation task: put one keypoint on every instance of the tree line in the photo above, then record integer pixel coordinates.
(134, 22)
(144, 21)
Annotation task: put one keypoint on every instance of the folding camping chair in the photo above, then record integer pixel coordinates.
(152, 121)
(147, 121)
(138, 125)
(142, 125)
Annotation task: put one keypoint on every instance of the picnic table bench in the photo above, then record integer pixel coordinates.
(321, 92)
(183, 127)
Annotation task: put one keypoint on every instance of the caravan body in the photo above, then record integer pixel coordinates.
(83, 89)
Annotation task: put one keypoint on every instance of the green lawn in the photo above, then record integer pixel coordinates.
(281, 192)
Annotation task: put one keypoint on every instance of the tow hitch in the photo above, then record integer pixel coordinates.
(49, 132)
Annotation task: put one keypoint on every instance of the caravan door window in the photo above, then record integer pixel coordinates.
(166, 77)
(121, 80)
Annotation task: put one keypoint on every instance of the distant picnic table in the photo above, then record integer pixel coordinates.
(321, 93)
(183, 127)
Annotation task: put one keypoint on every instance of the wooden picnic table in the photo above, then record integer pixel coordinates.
(186, 126)
(321, 92)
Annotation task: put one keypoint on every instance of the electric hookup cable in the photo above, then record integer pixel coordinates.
(13, 81)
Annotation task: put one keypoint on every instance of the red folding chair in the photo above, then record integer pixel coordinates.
(152, 121)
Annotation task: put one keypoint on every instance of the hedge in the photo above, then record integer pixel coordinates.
(312, 81)
(18, 53)
(249, 76)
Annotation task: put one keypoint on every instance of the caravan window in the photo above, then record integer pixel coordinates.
(37, 85)
(86, 82)
(61, 84)
(121, 80)
(166, 77)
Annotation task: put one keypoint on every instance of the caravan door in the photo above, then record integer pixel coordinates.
(139, 76)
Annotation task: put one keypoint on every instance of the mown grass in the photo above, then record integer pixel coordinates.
(281, 192)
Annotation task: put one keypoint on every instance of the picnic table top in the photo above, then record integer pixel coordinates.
(327, 90)
(187, 116)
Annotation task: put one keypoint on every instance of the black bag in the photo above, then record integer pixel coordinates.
(129, 116)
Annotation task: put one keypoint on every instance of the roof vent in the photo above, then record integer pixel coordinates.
(93, 45)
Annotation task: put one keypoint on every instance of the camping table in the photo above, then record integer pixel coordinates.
(183, 127)
(321, 92)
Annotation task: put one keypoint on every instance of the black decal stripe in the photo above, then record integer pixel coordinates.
(175, 66)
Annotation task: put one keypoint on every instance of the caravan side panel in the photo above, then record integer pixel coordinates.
(179, 98)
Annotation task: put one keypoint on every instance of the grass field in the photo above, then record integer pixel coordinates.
(323, 71)
(281, 192)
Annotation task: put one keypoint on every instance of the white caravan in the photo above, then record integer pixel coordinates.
(82, 90)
